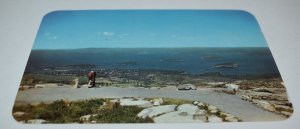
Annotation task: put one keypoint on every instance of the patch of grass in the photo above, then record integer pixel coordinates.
(120, 114)
(61, 111)
(167, 101)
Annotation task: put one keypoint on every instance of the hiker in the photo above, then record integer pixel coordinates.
(92, 79)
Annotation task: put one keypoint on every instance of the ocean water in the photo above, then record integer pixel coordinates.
(251, 61)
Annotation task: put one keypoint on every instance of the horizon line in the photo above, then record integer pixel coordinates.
(140, 48)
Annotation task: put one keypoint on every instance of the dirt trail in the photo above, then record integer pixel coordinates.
(228, 103)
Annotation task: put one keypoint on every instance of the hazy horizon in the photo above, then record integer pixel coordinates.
(142, 48)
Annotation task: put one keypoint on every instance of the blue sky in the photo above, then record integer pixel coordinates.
(148, 28)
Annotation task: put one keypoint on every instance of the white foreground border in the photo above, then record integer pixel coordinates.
(20, 19)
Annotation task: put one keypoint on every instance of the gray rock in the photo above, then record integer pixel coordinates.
(157, 102)
(211, 107)
(283, 108)
(133, 102)
(176, 117)
(18, 114)
(246, 97)
(188, 108)
(196, 102)
(223, 114)
(214, 119)
(36, 121)
(183, 114)
(200, 117)
(231, 119)
(213, 111)
(76, 84)
(186, 87)
(231, 87)
(200, 112)
(201, 105)
(157, 110)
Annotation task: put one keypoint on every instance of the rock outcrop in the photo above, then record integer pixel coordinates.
(157, 110)
(186, 87)
(195, 112)
(271, 97)
(135, 102)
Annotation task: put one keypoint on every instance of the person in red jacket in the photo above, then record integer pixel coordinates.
(92, 79)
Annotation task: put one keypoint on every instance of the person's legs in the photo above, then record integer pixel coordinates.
(94, 81)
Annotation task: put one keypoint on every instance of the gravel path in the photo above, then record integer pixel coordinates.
(228, 103)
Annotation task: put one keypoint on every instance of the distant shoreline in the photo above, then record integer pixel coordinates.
(45, 49)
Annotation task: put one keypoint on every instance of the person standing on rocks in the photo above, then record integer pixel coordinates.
(92, 79)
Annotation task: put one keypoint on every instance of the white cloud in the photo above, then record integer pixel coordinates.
(46, 34)
(50, 36)
(123, 35)
(108, 33)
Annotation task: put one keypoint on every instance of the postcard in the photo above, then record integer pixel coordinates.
(150, 66)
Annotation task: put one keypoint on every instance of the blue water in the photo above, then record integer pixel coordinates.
(252, 61)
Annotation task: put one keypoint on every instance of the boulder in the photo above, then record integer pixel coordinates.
(283, 108)
(231, 119)
(188, 108)
(224, 114)
(76, 84)
(246, 97)
(195, 102)
(157, 110)
(39, 86)
(200, 117)
(46, 85)
(157, 102)
(213, 111)
(201, 105)
(200, 112)
(211, 107)
(177, 117)
(186, 87)
(214, 119)
(36, 121)
(18, 114)
(135, 102)
(231, 87)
